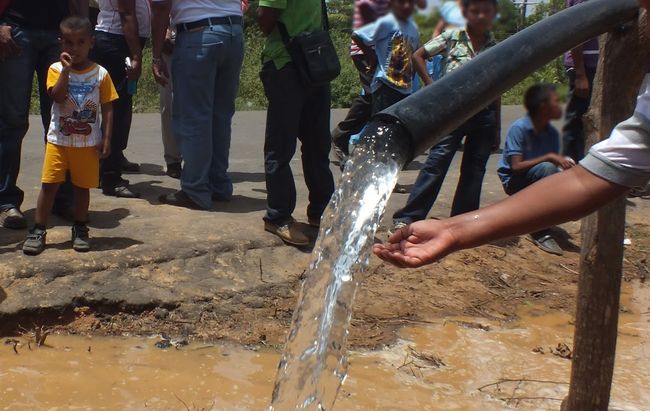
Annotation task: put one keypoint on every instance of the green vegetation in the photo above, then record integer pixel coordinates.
(346, 86)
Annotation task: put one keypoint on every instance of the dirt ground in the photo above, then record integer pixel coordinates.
(492, 282)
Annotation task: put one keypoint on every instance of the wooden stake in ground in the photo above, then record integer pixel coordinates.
(622, 66)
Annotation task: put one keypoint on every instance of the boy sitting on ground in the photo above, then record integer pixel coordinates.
(394, 38)
(531, 151)
(75, 140)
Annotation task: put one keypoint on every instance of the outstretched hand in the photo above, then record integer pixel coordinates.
(418, 244)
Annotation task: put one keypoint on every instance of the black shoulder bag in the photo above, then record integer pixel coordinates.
(313, 53)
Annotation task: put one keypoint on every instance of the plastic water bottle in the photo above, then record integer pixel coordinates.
(131, 85)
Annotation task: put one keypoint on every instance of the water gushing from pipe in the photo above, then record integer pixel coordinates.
(314, 363)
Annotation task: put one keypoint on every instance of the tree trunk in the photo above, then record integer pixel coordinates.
(622, 66)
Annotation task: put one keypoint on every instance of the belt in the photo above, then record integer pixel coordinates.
(210, 21)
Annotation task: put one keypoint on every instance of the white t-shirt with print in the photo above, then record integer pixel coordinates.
(109, 20)
(76, 122)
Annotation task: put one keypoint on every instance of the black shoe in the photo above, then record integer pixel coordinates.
(35, 242)
(179, 199)
(121, 191)
(129, 167)
(12, 218)
(174, 170)
(80, 238)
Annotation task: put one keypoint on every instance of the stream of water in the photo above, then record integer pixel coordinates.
(314, 363)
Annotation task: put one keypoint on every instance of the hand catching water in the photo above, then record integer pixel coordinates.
(418, 244)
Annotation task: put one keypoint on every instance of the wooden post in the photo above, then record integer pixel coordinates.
(622, 66)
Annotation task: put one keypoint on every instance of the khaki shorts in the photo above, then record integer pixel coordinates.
(81, 162)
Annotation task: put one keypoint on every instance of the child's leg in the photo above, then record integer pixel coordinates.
(81, 204)
(45, 202)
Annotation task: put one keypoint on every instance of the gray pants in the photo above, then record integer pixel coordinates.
(172, 153)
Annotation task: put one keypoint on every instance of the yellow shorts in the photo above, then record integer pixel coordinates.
(82, 162)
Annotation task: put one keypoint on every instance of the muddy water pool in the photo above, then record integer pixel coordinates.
(437, 366)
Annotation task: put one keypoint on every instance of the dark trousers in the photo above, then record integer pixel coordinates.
(573, 135)
(295, 112)
(38, 50)
(384, 97)
(360, 109)
(479, 132)
(110, 51)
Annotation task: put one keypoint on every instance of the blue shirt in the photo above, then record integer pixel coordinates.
(521, 140)
(394, 42)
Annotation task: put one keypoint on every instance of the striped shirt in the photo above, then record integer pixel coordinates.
(379, 9)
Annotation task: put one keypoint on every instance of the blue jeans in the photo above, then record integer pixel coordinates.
(296, 112)
(38, 50)
(522, 180)
(206, 65)
(480, 132)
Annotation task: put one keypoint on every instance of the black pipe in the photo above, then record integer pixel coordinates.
(438, 109)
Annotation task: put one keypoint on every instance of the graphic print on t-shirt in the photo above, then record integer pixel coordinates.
(400, 65)
(79, 111)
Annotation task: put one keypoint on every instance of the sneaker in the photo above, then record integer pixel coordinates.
(35, 242)
(288, 232)
(12, 218)
(80, 238)
(400, 189)
(398, 226)
(121, 190)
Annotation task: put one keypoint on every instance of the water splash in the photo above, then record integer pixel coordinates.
(314, 363)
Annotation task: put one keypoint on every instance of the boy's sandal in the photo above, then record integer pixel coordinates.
(547, 243)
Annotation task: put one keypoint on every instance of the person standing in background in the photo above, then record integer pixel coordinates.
(172, 154)
(365, 12)
(451, 17)
(122, 29)
(29, 42)
(581, 63)
(206, 65)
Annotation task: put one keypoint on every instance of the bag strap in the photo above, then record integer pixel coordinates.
(326, 20)
(284, 33)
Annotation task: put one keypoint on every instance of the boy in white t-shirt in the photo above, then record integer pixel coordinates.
(75, 140)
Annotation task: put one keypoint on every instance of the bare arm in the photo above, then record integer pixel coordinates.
(59, 93)
(267, 19)
(519, 165)
(126, 9)
(582, 81)
(159, 24)
(553, 200)
(440, 27)
(107, 130)
(368, 52)
(420, 64)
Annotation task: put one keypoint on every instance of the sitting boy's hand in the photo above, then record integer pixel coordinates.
(104, 148)
(564, 162)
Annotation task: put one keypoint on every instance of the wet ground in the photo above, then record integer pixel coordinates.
(452, 364)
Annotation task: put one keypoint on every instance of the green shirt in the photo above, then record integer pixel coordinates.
(457, 48)
(298, 16)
